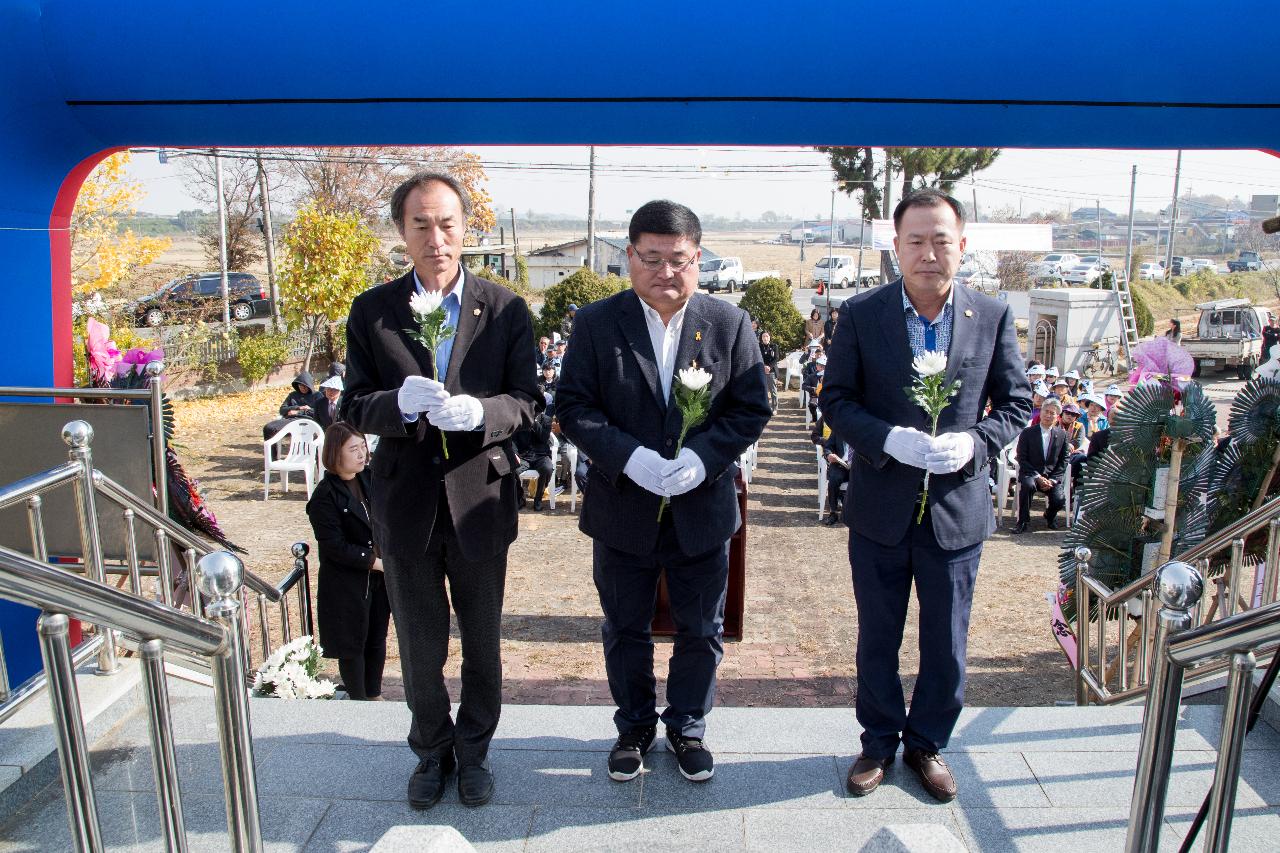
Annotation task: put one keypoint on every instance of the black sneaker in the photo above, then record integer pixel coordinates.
(694, 759)
(626, 759)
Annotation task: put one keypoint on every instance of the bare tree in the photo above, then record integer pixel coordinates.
(240, 194)
(1252, 238)
(360, 180)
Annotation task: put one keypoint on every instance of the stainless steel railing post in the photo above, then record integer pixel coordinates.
(158, 461)
(1179, 587)
(1226, 776)
(163, 760)
(219, 576)
(164, 569)
(1082, 555)
(1271, 583)
(73, 754)
(78, 435)
(131, 553)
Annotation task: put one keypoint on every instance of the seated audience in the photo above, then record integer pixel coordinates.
(839, 456)
(300, 403)
(351, 599)
(1042, 465)
(326, 406)
(533, 447)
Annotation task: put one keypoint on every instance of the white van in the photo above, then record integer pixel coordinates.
(843, 270)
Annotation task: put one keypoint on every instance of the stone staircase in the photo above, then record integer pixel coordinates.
(332, 778)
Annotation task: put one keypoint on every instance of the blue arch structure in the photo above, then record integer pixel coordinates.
(81, 79)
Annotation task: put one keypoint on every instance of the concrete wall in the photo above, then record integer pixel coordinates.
(1083, 316)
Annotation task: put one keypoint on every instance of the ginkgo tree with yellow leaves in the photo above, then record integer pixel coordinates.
(102, 252)
(328, 260)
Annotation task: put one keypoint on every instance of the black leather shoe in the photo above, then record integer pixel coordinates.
(426, 785)
(475, 784)
(866, 774)
(1050, 522)
(1020, 527)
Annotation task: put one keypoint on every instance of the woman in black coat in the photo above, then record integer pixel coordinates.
(351, 602)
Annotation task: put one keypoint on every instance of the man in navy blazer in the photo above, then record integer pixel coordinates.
(616, 403)
(864, 400)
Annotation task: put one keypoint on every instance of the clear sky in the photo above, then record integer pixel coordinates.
(797, 182)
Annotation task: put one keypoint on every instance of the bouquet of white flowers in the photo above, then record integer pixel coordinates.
(931, 392)
(693, 399)
(433, 329)
(290, 673)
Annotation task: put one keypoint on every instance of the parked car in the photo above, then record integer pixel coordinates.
(1054, 264)
(1180, 265)
(1151, 272)
(1198, 264)
(199, 296)
(1082, 275)
(1246, 262)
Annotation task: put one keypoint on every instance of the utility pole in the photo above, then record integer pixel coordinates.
(975, 204)
(591, 213)
(802, 242)
(831, 245)
(222, 239)
(268, 233)
(514, 239)
(1173, 221)
(1128, 253)
(1097, 210)
(888, 187)
(862, 235)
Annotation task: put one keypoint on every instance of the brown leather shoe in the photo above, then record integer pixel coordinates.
(933, 773)
(866, 774)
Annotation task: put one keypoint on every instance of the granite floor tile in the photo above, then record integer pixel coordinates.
(743, 781)
(567, 830)
(1073, 779)
(1038, 830)
(355, 826)
(934, 830)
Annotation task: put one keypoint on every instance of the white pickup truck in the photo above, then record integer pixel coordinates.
(727, 274)
(842, 270)
(1228, 335)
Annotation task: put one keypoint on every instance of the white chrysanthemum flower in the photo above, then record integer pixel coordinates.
(425, 303)
(695, 378)
(930, 364)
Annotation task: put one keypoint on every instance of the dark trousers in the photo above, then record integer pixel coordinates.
(837, 476)
(628, 587)
(882, 580)
(362, 674)
(1026, 491)
(421, 609)
(546, 469)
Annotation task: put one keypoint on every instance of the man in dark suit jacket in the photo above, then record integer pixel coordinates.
(869, 366)
(616, 402)
(1042, 465)
(443, 511)
(328, 402)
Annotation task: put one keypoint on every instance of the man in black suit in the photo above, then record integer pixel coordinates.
(616, 402)
(443, 511)
(891, 545)
(328, 401)
(1042, 465)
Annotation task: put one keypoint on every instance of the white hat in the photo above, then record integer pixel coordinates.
(815, 343)
(1093, 398)
(334, 382)
(1034, 369)
(1041, 389)
(1114, 391)
(1071, 374)
(1052, 371)
(1061, 380)
(822, 359)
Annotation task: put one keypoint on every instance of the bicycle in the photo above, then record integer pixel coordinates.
(1103, 358)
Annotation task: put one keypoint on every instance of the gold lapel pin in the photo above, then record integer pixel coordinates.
(475, 311)
(697, 336)
(968, 312)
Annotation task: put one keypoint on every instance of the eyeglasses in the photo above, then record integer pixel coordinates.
(655, 264)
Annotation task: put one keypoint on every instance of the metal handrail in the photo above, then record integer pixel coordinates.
(42, 585)
(1176, 648)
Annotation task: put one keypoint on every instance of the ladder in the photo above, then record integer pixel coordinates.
(1120, 284)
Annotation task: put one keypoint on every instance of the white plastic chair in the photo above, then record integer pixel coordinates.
(571, 457)
(822, 481)
(571, 465)
(792, 365)
(1006, 472)
(306, 440)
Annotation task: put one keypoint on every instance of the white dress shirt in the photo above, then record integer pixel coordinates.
(665, 338)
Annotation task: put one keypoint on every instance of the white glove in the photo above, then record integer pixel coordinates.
(908, 445)
(459, 413)
(684, 473)
(645, 469)
(951, 451)
(418, 394)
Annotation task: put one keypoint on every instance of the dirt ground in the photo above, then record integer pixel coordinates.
(800, 619)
